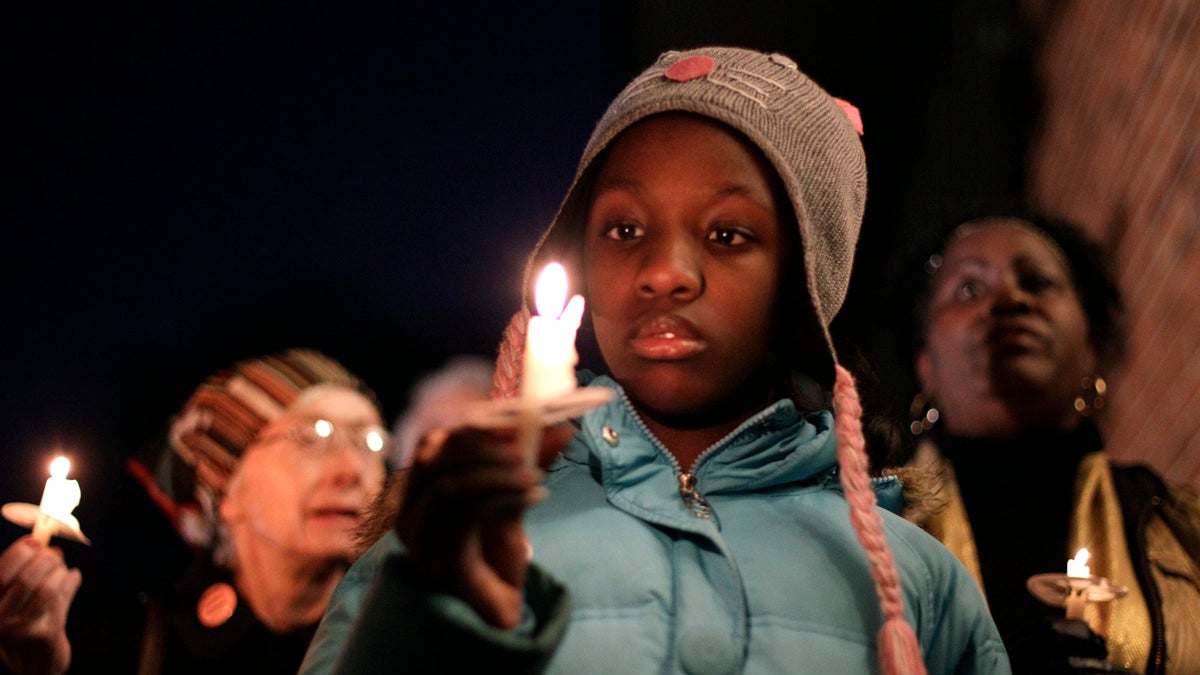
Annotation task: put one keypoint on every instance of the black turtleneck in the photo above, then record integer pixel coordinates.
(1018, 493)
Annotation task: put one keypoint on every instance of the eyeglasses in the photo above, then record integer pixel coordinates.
(320, 435)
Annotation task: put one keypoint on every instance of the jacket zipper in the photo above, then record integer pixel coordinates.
(688, 492)
(692, 497)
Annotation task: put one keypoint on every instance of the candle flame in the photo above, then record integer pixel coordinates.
(59, 467)
(1082, 556)
(550, 293)
(573, 314)
(1077, 567)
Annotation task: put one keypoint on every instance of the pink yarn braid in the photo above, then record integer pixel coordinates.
(899, 652)
(506, 382)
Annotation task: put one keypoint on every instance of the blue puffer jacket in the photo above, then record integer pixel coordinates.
(754, 569)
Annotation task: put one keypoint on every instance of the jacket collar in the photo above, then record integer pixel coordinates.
(777, 447)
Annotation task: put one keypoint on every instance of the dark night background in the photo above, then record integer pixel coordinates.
(188, 184)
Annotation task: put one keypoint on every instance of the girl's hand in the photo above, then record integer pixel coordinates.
(36, 590)
(461, 515)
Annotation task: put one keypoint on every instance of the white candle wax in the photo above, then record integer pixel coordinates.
(548, 368)
(548, 364)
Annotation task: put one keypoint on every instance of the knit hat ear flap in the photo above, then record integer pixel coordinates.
(506, 381)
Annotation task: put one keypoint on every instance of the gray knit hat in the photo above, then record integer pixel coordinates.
(809, 137)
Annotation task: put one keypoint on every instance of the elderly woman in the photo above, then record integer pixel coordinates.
(1018, 324)
(275, 461)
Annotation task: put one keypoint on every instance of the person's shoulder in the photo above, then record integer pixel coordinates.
(1180, 509)
(1136, 479)
(935, 578)
(1140, 489)
(1140, 484)
(910, 533)
(375, 556)
(914, 547)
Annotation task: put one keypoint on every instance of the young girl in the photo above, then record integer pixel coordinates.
(713, 518)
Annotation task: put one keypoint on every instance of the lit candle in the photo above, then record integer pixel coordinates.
(548, 370)
(1078, 581)
(1077, 567)
(59, 498)
(548, 364)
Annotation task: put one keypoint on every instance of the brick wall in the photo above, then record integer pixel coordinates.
(1118, 151)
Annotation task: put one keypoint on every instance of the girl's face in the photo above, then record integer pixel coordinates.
(1005, 332)
(683, 259)
(304, 493)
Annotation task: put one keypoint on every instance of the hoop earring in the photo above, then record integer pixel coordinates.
(1091, 398)
(923, 414)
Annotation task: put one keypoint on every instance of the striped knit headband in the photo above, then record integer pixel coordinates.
(225, 413)
(811, 140)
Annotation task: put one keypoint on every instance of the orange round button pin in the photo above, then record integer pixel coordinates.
(216, 605)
